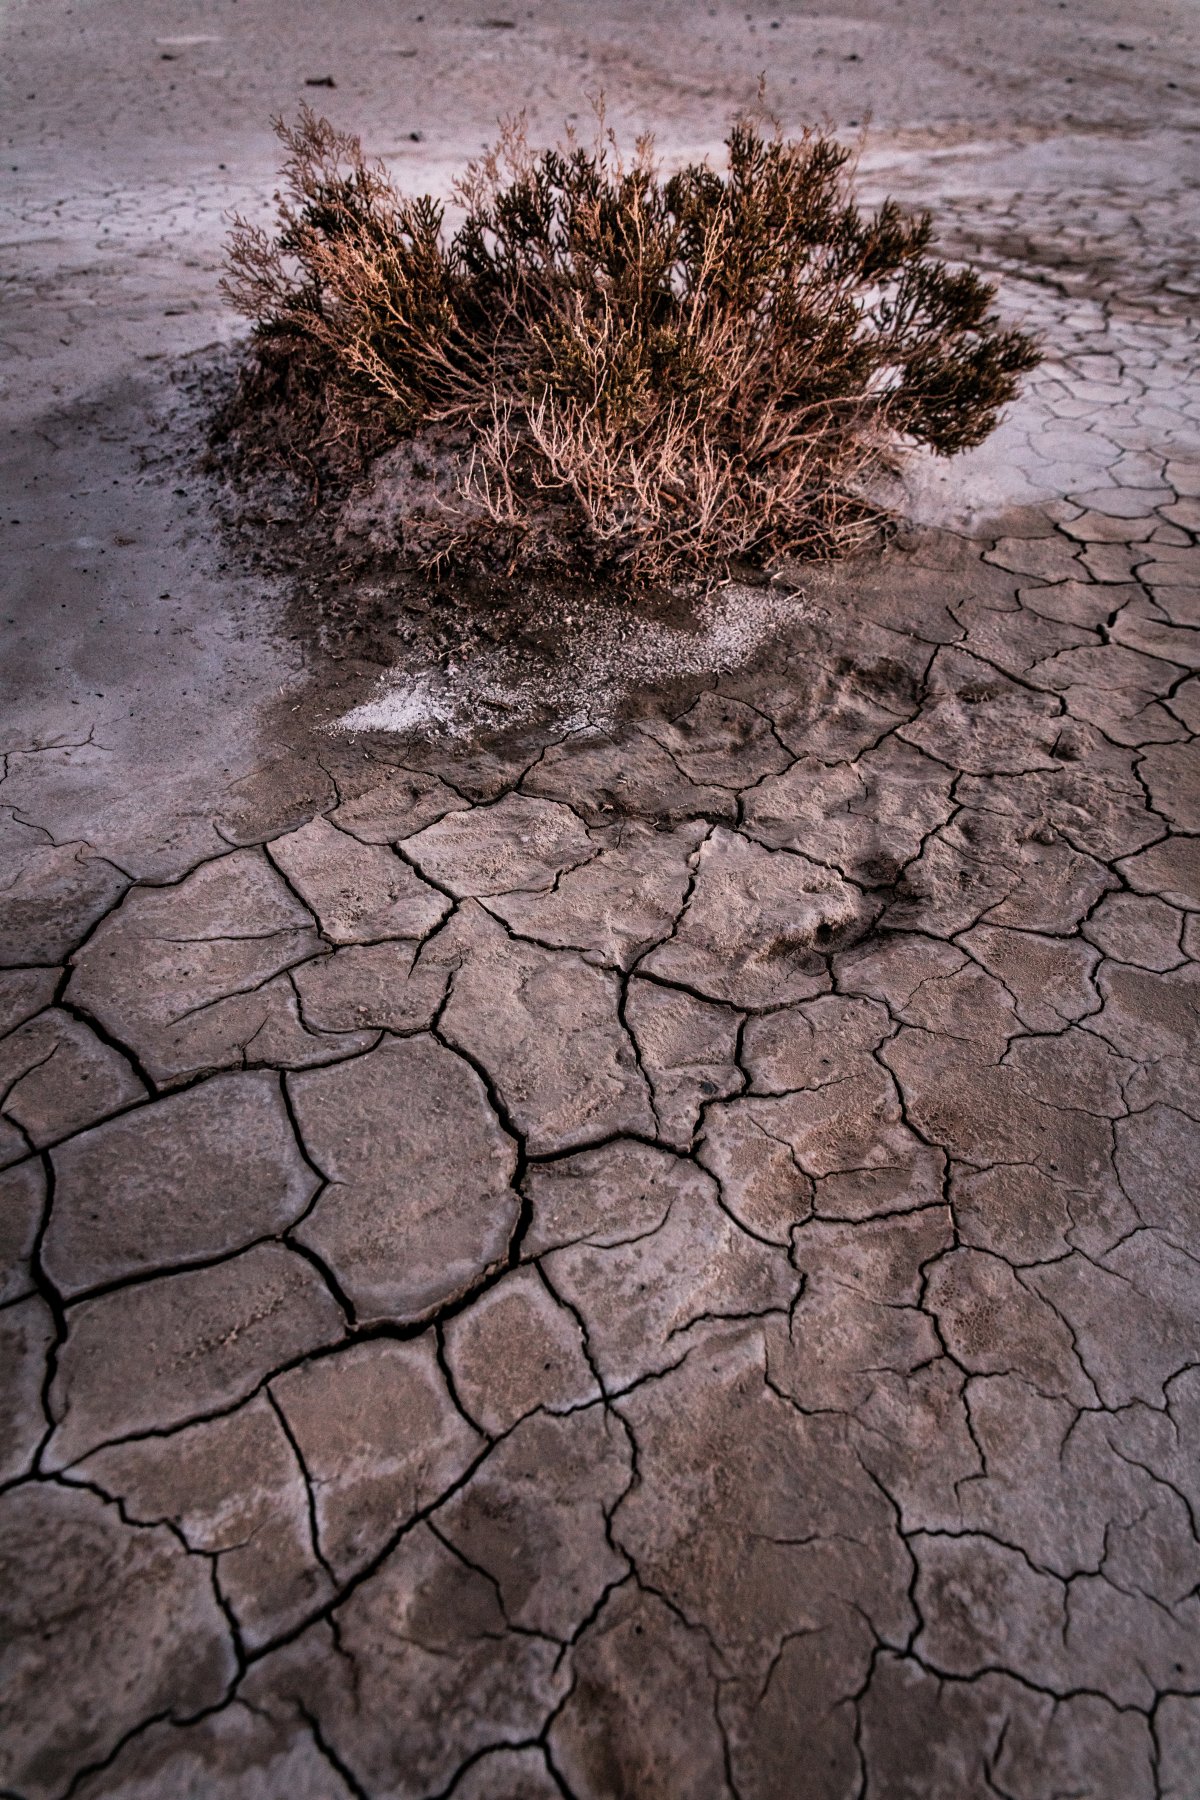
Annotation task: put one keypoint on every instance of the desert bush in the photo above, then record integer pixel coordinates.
(651, 375)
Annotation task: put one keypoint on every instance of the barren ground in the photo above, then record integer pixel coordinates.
(642, 1242)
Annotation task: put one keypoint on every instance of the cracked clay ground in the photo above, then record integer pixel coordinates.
(661, 1263)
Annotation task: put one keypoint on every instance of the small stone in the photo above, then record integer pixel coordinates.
(381, 1441)
(519, 843)
(359, 892)
(193, 1176)
(418, 1206)
(517, 1349)
(147, 1357)
(83, 1597)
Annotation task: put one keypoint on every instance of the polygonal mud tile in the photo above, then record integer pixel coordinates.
(618, 904)
(381, 1441)
(22, 1202)
(688, 1050)
(361, 893)
(418, 1205)
(27, 1335)
(57, 1077)
(642, 1715)
(757, 925)
(230, 1755)
(643, 1293)
(24, 992)
(51, 899)
(534, 1517)
(233, 1488)
(516, 1349)
(517, 844)
(370, 986)
(546, 1026)
(428, 1627)
(82, 1596)
(607, 779)
(192, 1176)
(866, 819)
(153, 1355)
(175, 972)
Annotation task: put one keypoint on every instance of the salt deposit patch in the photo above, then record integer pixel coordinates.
(589, 678)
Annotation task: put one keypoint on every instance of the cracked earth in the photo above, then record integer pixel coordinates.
(660, 1261)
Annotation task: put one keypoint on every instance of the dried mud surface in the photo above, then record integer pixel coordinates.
(652, 1260)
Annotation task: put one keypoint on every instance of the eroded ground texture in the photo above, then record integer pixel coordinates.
(660, 1262)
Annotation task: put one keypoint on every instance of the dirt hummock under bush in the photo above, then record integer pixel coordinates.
(583, 442)
(464, 652)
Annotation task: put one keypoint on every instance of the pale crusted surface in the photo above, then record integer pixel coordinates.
(631, 1265)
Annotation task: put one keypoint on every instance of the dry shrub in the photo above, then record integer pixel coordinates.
(650, 376)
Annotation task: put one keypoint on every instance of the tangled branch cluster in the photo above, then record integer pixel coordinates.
(648, 376)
